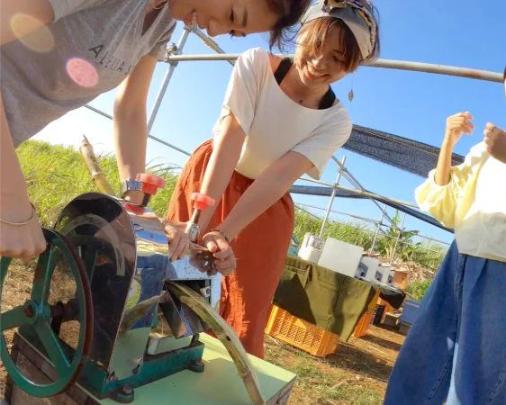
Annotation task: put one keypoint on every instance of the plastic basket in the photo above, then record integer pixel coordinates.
(363, 324)
(301, 334)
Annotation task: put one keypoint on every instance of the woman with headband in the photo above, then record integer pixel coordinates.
(57, 55)
(280, 119)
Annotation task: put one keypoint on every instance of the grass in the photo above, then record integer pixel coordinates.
(336, 385)
(418, 289)
(56, 174)
(356, 374)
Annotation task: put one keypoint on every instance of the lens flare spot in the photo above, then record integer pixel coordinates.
(32, 33)
(82, 72)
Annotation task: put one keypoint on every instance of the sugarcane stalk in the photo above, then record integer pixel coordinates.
(97, 175)
(224, 333)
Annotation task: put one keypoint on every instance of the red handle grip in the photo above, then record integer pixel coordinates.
(202, 201)
(150, 183)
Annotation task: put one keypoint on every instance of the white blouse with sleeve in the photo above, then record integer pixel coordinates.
(275, 124)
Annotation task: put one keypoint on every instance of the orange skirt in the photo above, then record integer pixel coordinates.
(261, 249)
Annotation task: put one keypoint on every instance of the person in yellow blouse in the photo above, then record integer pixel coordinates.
(455, 352)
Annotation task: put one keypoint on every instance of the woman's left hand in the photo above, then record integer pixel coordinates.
(223, 254)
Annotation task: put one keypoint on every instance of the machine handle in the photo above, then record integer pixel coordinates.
(150, 183)
(202, 201)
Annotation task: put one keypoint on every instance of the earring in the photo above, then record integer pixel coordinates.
(351, 95)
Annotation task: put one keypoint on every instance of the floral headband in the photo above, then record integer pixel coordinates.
(356, 14)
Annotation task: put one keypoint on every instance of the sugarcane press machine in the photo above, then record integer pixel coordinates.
(134, 316)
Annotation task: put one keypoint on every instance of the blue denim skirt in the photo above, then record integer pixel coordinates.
(455, 353)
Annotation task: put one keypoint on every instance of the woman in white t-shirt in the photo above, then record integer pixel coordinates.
(57, 55)
(280, 119)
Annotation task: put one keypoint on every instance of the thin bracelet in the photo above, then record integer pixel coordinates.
(221, 233)
(32, 215)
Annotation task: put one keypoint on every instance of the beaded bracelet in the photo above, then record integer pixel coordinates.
(26, 222)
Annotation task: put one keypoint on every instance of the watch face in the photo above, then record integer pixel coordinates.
(132, 185)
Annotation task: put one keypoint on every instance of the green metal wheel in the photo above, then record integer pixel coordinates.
(36, 316)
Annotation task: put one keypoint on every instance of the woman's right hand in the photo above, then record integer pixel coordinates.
(224, 257)
(179, 242)
(456, 125)
(23, 242)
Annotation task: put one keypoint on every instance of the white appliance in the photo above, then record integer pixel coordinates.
(311, 248)
(340, 256)
(367, 268)
(382, 274)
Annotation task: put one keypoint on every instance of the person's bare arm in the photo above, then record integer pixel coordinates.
(130, 119)
(456, 125)
(24, 240)
(226, 152)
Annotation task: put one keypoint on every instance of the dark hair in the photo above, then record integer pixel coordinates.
(289, 12)
(504, 75)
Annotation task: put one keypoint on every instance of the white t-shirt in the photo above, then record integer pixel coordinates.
(275, 124)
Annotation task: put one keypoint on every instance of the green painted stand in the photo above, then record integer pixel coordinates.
(219, 384)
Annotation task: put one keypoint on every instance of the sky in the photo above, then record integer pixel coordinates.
(415, 105)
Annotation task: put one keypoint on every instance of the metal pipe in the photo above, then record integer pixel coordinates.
(203, 57)
(327, 191)
(364, 219)
(166, 80)
(438, 69)
(99, 112)
(104, 114)
(400, 229)
(321, 183)
(376, 233)
(431, 239)
(352, 179)
(306, 211)
(332, 196)
(470, 73)
(211, 43)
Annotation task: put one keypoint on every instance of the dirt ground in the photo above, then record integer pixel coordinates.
(356, 374)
